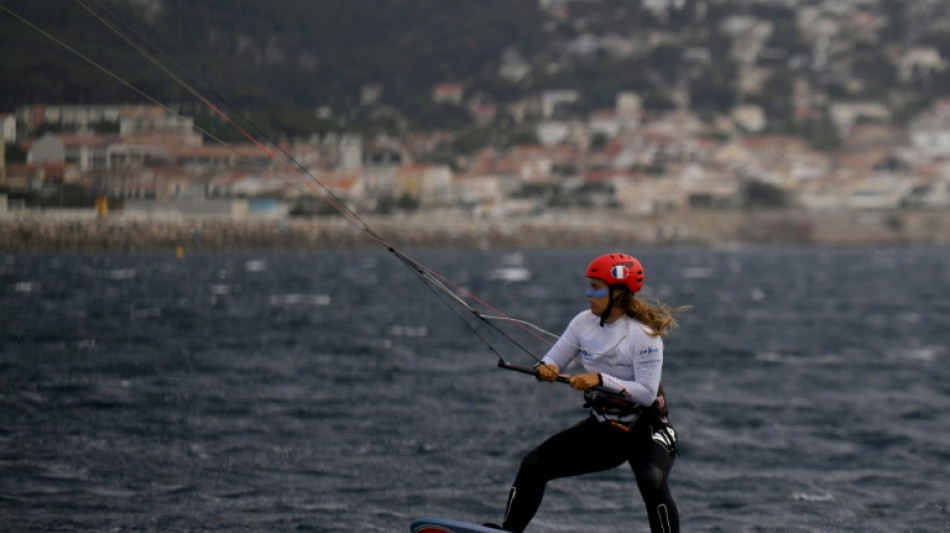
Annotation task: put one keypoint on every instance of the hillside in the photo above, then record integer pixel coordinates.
(295, 54)
(285, 59)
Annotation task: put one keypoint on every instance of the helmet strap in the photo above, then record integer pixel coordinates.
(610, 302)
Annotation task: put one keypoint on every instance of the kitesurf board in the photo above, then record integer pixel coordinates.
(441, 525)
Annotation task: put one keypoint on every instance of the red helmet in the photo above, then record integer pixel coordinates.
(617, 269)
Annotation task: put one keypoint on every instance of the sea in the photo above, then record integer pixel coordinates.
(340, 391)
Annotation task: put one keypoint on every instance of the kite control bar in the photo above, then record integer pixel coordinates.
(529, 370)
(560, 377)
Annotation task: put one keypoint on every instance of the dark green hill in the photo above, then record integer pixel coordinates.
(279, 61)
(260, 54)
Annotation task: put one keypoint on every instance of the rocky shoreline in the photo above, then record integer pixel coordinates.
(41, 232)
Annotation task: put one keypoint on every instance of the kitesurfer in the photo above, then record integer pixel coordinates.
(618, 341)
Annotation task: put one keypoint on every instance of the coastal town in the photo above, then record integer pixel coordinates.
(661, 174)
(117, 175)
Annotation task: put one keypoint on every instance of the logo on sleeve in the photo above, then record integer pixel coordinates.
(650, 350)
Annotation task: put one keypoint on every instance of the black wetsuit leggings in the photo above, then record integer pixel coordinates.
(592, 446)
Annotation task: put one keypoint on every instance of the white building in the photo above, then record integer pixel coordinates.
(430, 184)
(552, 132)
(217, 209)
(750, 118)
(8, 128)
(552, 100)
(47, 149)
(66, 117)
(879, 192)
(844, 115)
(920, 62)
(930, 133)
(93, 152)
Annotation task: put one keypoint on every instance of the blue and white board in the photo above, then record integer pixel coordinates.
(441, 525)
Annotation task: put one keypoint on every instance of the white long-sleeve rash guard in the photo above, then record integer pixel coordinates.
(629, 359)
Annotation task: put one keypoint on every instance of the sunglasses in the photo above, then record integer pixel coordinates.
(596, 293)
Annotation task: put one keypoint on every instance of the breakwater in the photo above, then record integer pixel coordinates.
(37, 231)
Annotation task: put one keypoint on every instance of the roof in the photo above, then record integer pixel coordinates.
(85, 139)
(242, 150)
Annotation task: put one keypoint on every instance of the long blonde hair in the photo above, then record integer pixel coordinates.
(654, 314)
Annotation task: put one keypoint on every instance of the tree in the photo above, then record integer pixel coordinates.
(820, 133)
(665, 59)
(776, 99)
(759, 194)
(712, 92)
(441, 117)
(658, 102)
(598, 141)
(14, 154)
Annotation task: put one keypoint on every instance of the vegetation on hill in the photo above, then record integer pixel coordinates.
(299, 66)
(284, 58)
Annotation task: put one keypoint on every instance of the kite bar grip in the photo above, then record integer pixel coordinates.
(560, 378)
(529, 370)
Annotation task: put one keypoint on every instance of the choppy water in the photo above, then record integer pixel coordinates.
(333, 392)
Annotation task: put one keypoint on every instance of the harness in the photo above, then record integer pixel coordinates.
(613, 409)
(611, 404)
(623, 415)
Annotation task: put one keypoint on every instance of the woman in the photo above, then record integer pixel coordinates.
(619, 343)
